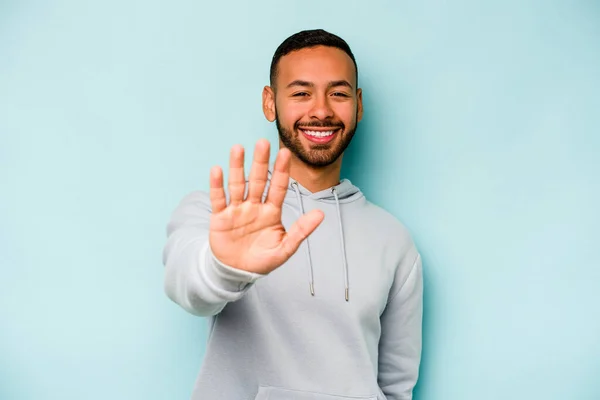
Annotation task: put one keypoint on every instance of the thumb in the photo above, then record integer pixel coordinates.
(304, 226)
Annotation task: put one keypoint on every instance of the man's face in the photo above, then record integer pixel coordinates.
(317, 104)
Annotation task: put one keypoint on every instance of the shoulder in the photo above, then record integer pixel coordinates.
(194, 202)
(398, 244)
(386, 225)
(194, 208)
(393, 239)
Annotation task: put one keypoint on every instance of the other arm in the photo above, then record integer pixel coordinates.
(401, 331)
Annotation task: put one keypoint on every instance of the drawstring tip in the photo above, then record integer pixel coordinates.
(347, 294)
(312, 289)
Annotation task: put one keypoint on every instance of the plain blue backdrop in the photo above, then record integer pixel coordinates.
(481, 133)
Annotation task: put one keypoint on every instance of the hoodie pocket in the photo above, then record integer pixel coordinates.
(275, 393)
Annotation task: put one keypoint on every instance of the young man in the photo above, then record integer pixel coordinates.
(312, 291)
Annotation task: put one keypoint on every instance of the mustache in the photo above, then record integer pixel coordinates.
(319, 124)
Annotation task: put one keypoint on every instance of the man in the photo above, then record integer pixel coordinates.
(312, 291)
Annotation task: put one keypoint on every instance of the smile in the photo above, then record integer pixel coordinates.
(318, 133)
(319, 136)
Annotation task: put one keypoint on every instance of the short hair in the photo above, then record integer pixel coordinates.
(306, 39)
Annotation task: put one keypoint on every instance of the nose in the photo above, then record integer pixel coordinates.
(321, 108)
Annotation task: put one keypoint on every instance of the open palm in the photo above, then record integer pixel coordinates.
(247, 234)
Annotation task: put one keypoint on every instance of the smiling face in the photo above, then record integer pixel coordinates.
(315, 103)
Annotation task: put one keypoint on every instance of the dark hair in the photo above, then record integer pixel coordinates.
(305, 39)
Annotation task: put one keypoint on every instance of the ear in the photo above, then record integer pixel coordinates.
(359, 111)
(268, 103)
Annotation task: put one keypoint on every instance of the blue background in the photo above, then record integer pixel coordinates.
(481, 133)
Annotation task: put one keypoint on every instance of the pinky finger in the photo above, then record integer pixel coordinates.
(217, 192)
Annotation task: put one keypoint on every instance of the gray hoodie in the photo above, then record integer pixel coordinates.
(341, 319)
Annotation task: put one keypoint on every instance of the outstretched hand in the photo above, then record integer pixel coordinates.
(247, 234)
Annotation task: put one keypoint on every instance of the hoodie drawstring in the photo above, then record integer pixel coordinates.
(339, 213)
(311, 280)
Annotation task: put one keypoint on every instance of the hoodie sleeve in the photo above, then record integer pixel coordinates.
(194, 278)
(401, 325)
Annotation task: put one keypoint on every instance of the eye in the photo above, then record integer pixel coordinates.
(300, 94)
(340, 94)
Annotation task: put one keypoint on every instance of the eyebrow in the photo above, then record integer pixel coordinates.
(299, 82)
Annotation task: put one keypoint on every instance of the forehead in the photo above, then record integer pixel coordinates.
(319, 64)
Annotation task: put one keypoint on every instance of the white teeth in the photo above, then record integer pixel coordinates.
(319, 133)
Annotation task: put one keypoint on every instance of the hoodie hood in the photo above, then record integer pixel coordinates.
(343, 192)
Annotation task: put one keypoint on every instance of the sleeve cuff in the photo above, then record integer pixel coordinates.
(223, 276)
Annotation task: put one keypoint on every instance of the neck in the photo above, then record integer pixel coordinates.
(315, 179)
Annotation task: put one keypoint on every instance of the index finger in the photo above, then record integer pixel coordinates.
(279, 179)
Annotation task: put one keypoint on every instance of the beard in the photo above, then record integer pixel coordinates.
(319, 155)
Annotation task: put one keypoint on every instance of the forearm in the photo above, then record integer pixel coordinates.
(401, 340)
(195, 280)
